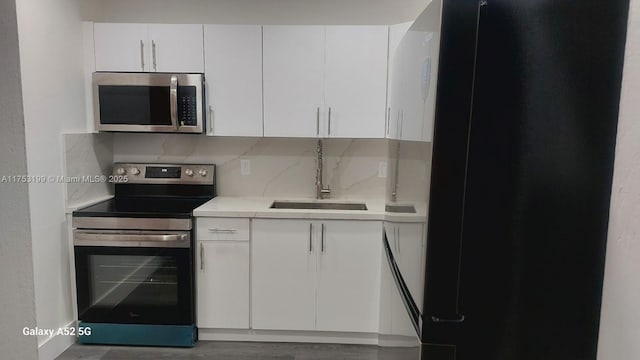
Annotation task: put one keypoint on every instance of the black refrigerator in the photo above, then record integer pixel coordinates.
(521, 155)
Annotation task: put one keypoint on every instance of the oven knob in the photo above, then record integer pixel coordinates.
(135, 171)
(189, 172)
(121, 171)
(202, 172)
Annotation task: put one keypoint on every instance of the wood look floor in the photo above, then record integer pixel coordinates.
(231, 351)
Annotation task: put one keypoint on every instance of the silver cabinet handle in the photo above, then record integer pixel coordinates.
(322, 238)
(388, 119)
(329, 125)
(401, 122)
(310, 238)
(223, 230)
(395, 238)
(201, 256)
(398, 238)
(210, 119)
(142, 54)
(153, 50)
(318, 121)
(173, 101)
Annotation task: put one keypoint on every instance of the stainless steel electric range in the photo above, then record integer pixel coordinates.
(134, 256)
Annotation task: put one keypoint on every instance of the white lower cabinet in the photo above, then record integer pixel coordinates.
(408, 247)
(316, 275)
(348, 289)
(222, 274)
(283, 275)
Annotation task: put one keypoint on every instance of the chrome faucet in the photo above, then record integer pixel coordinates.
(321, 191)
(394, 193)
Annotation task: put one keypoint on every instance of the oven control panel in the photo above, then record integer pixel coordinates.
(165, 173)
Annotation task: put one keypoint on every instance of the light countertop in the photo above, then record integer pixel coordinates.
(71, 207)
(258, 207)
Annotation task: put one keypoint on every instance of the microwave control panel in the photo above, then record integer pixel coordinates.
(187, 106)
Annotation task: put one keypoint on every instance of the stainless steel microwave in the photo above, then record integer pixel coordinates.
(148, 102)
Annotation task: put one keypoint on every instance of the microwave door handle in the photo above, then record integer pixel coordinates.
(173, 101)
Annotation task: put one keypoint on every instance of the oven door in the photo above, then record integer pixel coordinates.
(134, 277)
(148, 102)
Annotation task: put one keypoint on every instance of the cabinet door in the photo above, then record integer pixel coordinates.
(283, 275)
(176, 48)
(223, 284)
(121, 47)
(398, 88)
(356, 81)
(349, 276)
(415, 83)
(293, 80)
(396, 33)
(410, 255)
(233, 69)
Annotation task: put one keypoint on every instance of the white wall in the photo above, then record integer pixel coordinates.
(50, 35)
(17, 307)
(267, 12)
(87, 155)
(620, 320)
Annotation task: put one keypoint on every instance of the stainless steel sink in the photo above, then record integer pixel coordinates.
(400, 209)
(317, 205)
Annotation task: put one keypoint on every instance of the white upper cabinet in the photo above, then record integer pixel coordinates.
(293, 61)
(233, 71)
(396, 33)
(176, 48)
(273, 81)
(415, 70)
(148, 47)
(121, 47)
(412, 81)
(325, 81)
(356, 79)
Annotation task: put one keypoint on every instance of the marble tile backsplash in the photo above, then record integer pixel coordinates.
(412, 160)
(279, 166)
(87, 155)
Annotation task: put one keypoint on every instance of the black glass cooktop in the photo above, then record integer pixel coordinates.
(163, 207)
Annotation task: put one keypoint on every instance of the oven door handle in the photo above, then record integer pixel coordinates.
(173, 101)
(94, 238)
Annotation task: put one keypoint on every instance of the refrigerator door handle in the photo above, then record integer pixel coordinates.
(459, 320)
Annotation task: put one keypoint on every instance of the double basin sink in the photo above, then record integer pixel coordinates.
(294, 205)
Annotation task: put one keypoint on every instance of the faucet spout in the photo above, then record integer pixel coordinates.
(321, 191)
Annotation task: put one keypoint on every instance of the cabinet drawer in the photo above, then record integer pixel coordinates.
(222, 229)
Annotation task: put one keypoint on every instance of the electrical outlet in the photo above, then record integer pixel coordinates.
(382, 169)
(245, 167)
